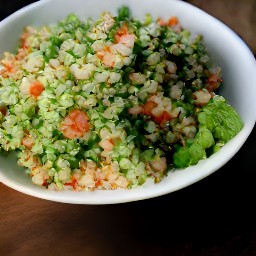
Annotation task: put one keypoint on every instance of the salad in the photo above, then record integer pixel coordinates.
(107, 104)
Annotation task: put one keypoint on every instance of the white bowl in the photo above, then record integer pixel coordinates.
(228, 50)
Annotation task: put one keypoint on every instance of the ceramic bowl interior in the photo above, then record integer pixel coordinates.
(226, 48)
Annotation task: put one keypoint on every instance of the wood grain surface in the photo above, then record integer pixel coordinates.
(214, 217)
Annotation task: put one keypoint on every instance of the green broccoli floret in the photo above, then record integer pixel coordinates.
(188, 155)
(221, 119)
(194, 150)
(124, 13)
(218, 123)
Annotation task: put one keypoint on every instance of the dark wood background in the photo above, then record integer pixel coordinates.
(213, 217)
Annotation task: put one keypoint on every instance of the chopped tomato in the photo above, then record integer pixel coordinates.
(36, 88)
(8, 68)
(73, 183)
(28, 142)
(173, 21)
(163, 118)
(23, 40)
(213, 82)
(45, 183)
(161, 22)
(148, 107)
(120, 32)
(98, 183)
(75, 124)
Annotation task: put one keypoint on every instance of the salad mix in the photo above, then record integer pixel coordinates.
(106, 104)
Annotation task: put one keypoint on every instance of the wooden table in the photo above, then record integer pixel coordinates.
(215, 216)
